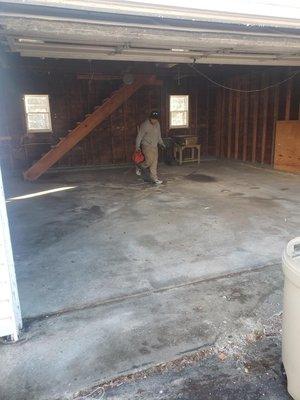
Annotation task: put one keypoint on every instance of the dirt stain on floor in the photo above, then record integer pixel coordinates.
(236, 194)
(262, 201)
(63, 225)
(94, 211)
(201, 178)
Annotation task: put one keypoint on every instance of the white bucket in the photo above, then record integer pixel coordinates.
(291, 316)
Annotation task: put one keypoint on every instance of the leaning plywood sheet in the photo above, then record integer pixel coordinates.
(287, 146)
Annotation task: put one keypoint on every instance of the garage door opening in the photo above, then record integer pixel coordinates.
(97, 250)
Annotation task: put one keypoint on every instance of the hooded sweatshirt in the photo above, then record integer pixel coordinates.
(149, 134)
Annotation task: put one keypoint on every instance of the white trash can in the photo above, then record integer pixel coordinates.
(291, 317)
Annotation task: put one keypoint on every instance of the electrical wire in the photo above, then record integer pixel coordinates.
(241, 90)
(91, 75)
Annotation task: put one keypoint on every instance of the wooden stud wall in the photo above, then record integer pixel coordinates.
(229, 124)
(245, 122)
(71, 99)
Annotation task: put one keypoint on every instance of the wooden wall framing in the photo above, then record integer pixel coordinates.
(230, 124)
(245, 122)
(71, 99)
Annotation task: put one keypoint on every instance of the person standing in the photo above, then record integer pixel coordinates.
(148, 138)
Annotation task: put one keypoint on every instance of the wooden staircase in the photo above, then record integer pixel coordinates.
(87, 125)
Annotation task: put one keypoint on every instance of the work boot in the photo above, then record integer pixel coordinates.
(138, 171)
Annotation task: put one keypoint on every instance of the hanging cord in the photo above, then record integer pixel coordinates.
(241, 90)
(89, 85)
(91, 75)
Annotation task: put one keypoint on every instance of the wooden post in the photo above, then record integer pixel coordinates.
(254, 120)
(245, 121)
(230, 106)
(237, 122)
(196, 110)
(125, 130)
(288, 100)
(163, 111)
(111, 139)
(265, 119)
(218, 125)
(223, 123)
(207, 120)
(275, 118)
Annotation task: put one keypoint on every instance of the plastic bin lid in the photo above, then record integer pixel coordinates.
(291, 260)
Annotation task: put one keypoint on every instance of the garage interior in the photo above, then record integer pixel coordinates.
(116, 274)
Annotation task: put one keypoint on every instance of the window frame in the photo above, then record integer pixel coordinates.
(187, 112)
(48, 130)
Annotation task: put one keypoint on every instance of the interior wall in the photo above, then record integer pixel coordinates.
(70, 100)
(244, 126)
(229, 124)
(72, 97)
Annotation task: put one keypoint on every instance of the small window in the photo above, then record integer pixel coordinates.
(37, 109)
(179, 111)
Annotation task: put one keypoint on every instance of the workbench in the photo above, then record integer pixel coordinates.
(179, 149)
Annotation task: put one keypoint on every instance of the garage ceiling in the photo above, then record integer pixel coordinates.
(127, 31)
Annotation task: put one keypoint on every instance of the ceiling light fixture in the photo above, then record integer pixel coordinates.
(179, 50)
(28, 40)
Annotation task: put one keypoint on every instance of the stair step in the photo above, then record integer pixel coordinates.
(105, 100)
(84, 128)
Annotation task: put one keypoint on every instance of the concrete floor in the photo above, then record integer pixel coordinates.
(116, 275)
(110, 235)
(255, 376)
(59, 356)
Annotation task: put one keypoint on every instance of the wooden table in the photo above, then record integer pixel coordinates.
(178, 153)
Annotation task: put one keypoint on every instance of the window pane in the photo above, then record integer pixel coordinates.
(179, 118)
(38, 122)
(36, 103)
(179, 103)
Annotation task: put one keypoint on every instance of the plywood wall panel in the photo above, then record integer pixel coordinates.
(287, 146)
